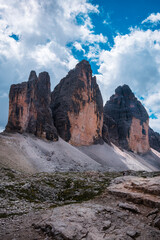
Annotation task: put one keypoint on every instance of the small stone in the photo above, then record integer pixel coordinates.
(129, 207)
(107, 224)
(157, 222)
(155, 211)
(152, 218)
(122, 214)
(133, 234)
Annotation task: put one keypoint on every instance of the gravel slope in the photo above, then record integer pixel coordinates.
(27, 153)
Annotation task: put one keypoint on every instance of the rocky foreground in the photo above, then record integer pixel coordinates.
(74, 206)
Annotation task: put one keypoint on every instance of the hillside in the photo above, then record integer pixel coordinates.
(27, 153)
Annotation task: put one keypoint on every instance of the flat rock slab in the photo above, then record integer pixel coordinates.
(137, 190)
(92, 221)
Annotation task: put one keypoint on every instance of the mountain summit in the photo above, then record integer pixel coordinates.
(29, 107)
(127, 120)
(77, 107)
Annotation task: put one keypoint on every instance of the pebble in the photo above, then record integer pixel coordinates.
(133, 234)
(107, 224)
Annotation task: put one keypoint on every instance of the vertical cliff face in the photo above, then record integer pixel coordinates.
(128, 120)
(154, 139)
(77, 107)
(29, 107)
(109, 131)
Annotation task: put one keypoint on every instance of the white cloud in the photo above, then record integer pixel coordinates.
(155, 123)
(78, 47)
(153, 18)
(44, 29)
(153, 101)
(134, 60)
(94, 52)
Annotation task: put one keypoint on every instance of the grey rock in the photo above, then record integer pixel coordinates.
(153, 212)
(130, 207)
(133, 234)
(107, 224)
(137, 190)
(157, 222)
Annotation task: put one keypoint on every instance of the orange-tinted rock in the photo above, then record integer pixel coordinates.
(127, 121)
(138, 142)
(29, 107)
(77, 107)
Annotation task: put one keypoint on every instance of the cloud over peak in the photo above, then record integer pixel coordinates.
(35, 35)
(134, 59)
(48, 35)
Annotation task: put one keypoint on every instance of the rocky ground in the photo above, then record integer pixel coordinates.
(89, 205)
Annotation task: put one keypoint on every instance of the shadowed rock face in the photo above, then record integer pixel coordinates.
(154, 140)
(77, 107)
(109, 131)
(29, 107)
(127, 120)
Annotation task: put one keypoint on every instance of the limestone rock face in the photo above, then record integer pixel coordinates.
(154, 140)
(110, 132)
(77, 107)
(29, 107)
(127, 120)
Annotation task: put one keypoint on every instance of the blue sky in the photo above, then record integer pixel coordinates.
(120, 38)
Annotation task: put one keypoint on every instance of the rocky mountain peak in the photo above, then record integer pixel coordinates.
(77, 106)
(124, 105)
(44, 76)
(82, 70)
(32, 76)
(29, 107)
(83, 66)
(127, 120)
(124, 91)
